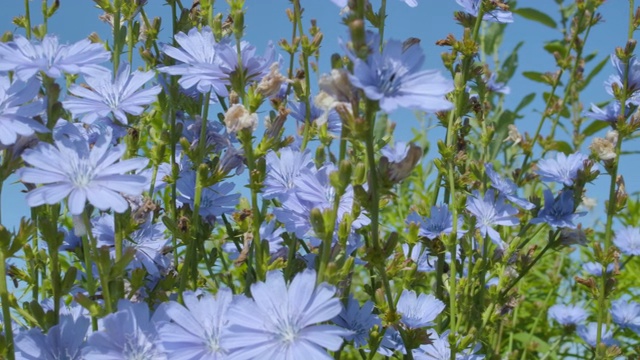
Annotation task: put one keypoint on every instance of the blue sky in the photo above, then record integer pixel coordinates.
(430, 21)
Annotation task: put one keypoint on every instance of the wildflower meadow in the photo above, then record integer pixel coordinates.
(194, 194)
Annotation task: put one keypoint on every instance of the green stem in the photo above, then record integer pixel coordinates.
(27, 17)
(307, 80)
(131, 42)
(382, 16)
(261, 266)
(88, 248)
(525, 271)
(117, 47)
(173, 91)
(6, 307)
(608, 234)
(45, 18)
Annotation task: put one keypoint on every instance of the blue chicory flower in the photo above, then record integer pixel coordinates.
(633, 78)
(472, 7)
(439, 349)
(395, 79)
(490, 211)
(129, 333)
(215, 200)
(27, 58)
(563, 169)
(62, 341)
(283, 321)
(359, 320)
(18, 105)
(589, 332)
(506, 187)
(75, 170)
(439, 222)
(627, 240)
(199, 329)
(498, 87)
(558, 212)
(391, 343)
(120, 96)
(283, 170)
(626, 314)
(254, 67)
(148, 243)
(198, 65)
(595, 268)
(610, 113)
(567, 315)
(418, 311)
(299, 112)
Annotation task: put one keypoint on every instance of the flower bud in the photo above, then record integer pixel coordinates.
(238, 118)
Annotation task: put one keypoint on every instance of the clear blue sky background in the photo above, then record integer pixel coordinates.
(430, 21)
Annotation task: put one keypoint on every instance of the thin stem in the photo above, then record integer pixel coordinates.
(27, 17)
(6, 307)
(261, 265)
(382, 15)
(131, 42)
(117, 47)
(45, 18)
(525, 271)
(307, 81)
(88, 248)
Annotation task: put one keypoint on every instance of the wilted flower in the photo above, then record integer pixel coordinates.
(395, 79)
(72, 168)
(239, 118)
(271, 83)
(120, 96)
(605, 148)
(513, 135)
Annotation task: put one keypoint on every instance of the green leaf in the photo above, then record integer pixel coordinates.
(535, 76)
(530, 339)
(536, 15)
(524, 102)
(511, 63)
(594, 72)
(562, 146)
(594, 127)
(556, 46)
(493, 38)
